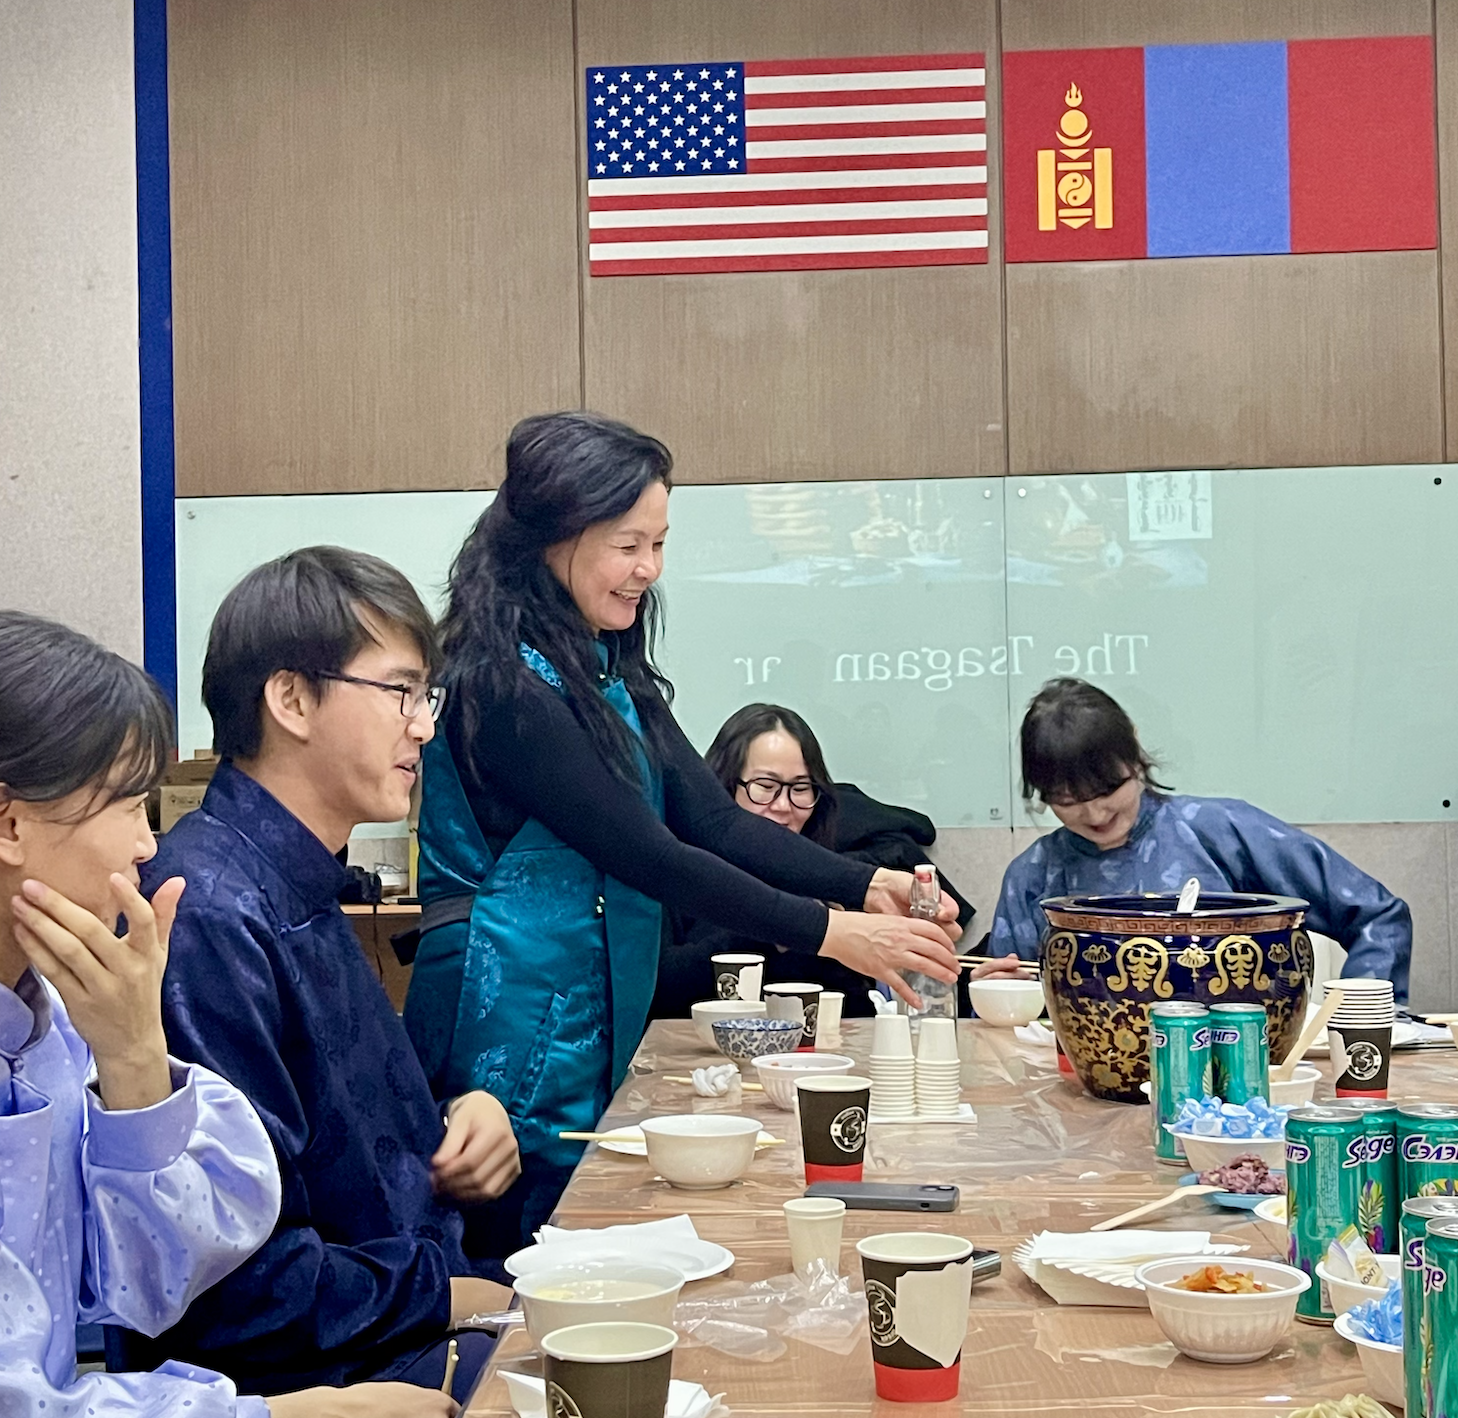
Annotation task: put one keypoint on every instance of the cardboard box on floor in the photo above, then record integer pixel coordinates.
(183, 786)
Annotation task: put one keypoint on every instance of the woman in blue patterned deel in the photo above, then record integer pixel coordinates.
(563, 806)
(1124, 832)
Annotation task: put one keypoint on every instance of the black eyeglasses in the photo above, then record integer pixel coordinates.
(413, 697)
(764, 792)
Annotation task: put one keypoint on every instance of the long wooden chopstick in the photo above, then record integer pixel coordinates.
(622, 1137)
(681, 1078)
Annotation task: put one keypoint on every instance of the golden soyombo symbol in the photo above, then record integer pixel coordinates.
(1074, 187)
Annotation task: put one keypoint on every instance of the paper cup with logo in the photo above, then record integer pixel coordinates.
(798, 1000)
(833, 1112)
(918, 1289)
(737, 976)
(615, 1369)
(1361, 1056)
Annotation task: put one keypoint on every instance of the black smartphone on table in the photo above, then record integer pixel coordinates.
(888, 1196)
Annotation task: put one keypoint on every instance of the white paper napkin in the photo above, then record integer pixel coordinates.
(1113, 1245)
(715, 1080)
(1035, 1033)
(670, 1228)
(685, 1400)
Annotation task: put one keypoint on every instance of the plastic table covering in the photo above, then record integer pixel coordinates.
(1043, 1155)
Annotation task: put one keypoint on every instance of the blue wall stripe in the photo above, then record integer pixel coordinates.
(1217, 165)
(154, 280)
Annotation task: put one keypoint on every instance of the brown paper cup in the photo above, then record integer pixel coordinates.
(918, 1285)
(614, 1369)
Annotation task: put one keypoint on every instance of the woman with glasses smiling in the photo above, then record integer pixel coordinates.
(771, 764)
(1124, 832)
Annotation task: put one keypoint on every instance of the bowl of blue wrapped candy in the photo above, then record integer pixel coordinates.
(1214, 1133)
(1375, 1327)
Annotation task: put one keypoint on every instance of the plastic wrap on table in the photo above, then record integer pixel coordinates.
(1043, 1156)
(747, 1321)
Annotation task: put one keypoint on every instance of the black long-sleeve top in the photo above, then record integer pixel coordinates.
(707, 857)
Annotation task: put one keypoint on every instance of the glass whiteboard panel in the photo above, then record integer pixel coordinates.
(876, 610)
(1283, 635)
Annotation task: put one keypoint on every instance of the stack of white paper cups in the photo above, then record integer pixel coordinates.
(938, 1069)
(1361, 1037)
(893, 1067)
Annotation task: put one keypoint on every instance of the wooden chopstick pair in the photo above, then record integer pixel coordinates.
(1036, 966)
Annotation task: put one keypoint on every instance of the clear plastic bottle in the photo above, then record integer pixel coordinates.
(938, 998)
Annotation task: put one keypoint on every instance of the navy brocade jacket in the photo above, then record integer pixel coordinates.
(267, 985)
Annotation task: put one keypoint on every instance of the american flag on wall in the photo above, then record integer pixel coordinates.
(801, 164)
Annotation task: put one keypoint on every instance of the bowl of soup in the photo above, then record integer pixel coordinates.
(589, 1291)
(1108, 959)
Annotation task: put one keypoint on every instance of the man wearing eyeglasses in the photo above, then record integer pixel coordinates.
(318, 680)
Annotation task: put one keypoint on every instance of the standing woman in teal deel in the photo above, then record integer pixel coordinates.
(562, 805)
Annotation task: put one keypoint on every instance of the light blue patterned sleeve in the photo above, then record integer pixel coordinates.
(173, 1391)
(1017, 925)
(1263, 853)
(177, 1196)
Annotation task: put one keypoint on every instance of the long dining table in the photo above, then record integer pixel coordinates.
(1042, 1155)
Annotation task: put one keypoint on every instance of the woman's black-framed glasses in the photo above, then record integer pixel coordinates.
(764, 792)
(413, 697)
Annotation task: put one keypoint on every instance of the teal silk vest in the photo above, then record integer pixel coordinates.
(541, 995)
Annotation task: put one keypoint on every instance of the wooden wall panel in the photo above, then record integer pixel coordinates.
(374, 238)
(1220, 362)
(813, 375)
(1086, 24)
(1224, 362)
(1446, 15)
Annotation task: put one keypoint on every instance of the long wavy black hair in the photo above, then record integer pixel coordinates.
(565, 472)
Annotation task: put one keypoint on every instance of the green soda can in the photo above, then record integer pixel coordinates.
(1377, 1216)
(1439, 1332)
(1179, 1069)
(1427, 1149)
(1324, 1151)
(1240, 1051)
(1416, 1214)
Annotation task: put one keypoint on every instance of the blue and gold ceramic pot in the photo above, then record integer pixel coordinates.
(1106, 959)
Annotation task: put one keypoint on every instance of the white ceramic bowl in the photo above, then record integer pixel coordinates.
(1347, 1293)
(705, 1013)
(700, 1151)
(1223, 1329)
(590, 1291)
(1381, 1364)
(1204, 1153)
(778, 1072)
(1299, 1091)
(1006, 1002)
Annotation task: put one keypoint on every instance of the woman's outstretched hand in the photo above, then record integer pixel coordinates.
(890, 894)
(883, 946)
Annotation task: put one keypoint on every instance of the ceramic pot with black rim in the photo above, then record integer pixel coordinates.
(1107, 959)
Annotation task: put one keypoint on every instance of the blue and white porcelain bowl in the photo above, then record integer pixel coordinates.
(754, 1038)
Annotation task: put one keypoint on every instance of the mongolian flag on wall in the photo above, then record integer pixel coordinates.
(1220, 149)
(786, 165)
